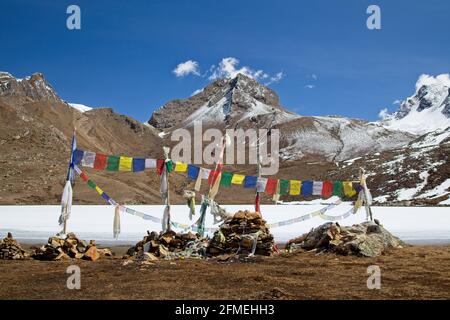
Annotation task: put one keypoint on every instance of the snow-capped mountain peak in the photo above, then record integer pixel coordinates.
(425, 111)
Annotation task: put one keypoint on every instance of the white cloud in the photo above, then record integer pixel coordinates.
(310, 86)
(186, 68)
(314, 76)
(275, 78)
(396, 102)
(383, 114)
(229, 68)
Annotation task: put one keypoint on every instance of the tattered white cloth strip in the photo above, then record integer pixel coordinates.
(116, 223)
(66, 203)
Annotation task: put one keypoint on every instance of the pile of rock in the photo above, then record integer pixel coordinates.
(245, 233)
(70, 247)
(368, 239)
(168, 245)
(10, 249)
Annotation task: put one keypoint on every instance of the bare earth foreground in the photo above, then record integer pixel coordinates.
(419, 272)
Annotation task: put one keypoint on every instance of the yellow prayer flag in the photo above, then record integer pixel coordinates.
(100, 191)
(348, 189)
(180, 167)
(295, 187)
(237, 179)
(125, 164)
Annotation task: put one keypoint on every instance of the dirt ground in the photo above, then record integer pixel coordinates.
(421, 272)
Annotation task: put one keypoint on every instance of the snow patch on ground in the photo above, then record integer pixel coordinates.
(80, 107)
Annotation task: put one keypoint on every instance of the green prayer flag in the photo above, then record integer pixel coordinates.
(225, 181)
(337, 188)
(284, 187)
(169, 166)
(91, 184)
(113, 163)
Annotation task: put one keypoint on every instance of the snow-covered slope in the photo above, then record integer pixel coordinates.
(425, 111)
(242, 102)
(418, 172)
(80, 107)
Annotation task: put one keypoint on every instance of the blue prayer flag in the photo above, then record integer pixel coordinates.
(250, 182)
(77, 156)
(307, 188)
(138, 164)
(105, 196)
(193, 172)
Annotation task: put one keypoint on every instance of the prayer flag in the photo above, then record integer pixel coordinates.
(295, 187)
(181, 167)
(337, 189)
(205, 173)
(160, 166)
(348, 189)
(125, 163)
(88, 159)
(225, 180)
(250, 182)
(271, 186)
(99, 191)
(284, 187)
(317, 188)
(105, 196)
(100, 161)
(77, 156)
(261, 184)
(138, 164)
(84, 176)
(213, 174)
(150, 163)
(169, 165)
(193, 172)
(307, 188)
(237, 179)
(357, 186)
(113, 163)
(327, 189)
(91, 184)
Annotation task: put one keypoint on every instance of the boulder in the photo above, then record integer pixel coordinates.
(91, 254)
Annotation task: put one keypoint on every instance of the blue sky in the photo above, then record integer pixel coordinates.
(125, 52)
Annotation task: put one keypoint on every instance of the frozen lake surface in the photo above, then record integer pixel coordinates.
(416, 225)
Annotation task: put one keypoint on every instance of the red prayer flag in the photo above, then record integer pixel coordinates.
(84, 176)
(160, 166)
(212, 177)
(327, 189)
(271, 186)
(100, 161)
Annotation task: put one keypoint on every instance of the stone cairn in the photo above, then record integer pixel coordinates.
(168, 245)
(70, 247)
(10, 249)
(367, 239)
(245, 233)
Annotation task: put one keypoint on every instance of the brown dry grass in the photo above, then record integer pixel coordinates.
(421, 272)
